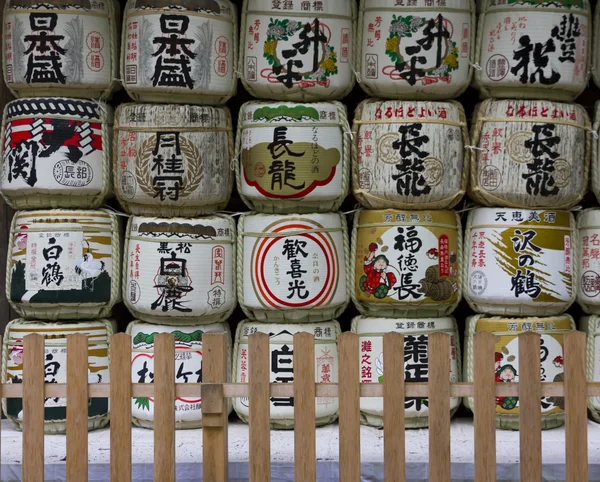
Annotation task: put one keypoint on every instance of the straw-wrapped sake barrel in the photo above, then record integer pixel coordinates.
(183, 52)
(188, 368)
(416, 362)
(520, 262)
(595, 175)
(281, 348)
(588, 250)
(61, 47)
(172, 160)
(56, 153)
(180, 270)
(410, 155)
(64, 264)
(415, 49)
(406, 264)
(591, 326)
(55, 368)
(530, 153)
(534, 49)
(293, 268)
(301, 52)
(294, 157)
(506, 348)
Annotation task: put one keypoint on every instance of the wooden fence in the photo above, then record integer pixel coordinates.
(214, 392)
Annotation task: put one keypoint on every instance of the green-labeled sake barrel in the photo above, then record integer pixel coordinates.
(56, 366)
(591, 326)
(180, 270)
(64, 264)
(187, 366)
(59, 47)
(409, 155)
(530, 153)
(506, 333)
(293, 268)
(182, 52)
(416, 362)
(588, 249)
(294, 157)
(415, 49)
(172, 160)
(297, 50)
(281, 365)
(520, 262)
(56, 153)
(406, 263)
(534, 49)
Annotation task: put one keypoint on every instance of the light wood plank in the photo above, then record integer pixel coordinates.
(120, 408)
(164, 408)
(305, 456)
(394, 451)
(349, 412)
(77, 408)
(33, 408)
(1, 395)
(259, 378)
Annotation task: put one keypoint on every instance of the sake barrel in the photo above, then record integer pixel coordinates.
(281, 347)
(416, 362)
(534, 49)
(520, 262)
(415, 49)
(595, 175)
(187, 366)
(183, 52)
(180, 270)
(406, 263)
(172, 160)
(293, 268)
(56, 153)
(588, 249)
(61, 47)
(410, 155)
(64, 264)
(56, 366)
(530, 153)
(297, 51)
(506, 332)
(294, 157)
(591, 326)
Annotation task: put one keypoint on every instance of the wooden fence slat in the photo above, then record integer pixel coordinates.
(164, 408)
(33, 408)
(394, 451)
(576, 407)
(349, 412)
(484, 411)
(530, 410)
(77, 408)
(305, 449)
(1, 395)
(120, 408)
(259, 378)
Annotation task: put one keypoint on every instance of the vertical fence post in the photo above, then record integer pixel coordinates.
(164, 408)
(33, 408)
(259, 379)
(305, 451)
(120, 408)
(349, 413)
(394, 458)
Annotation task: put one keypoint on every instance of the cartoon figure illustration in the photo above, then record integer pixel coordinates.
(507, 374)
(558, 362)
(432, 253)
(16, 354)
(21, 238)
(498, 357)
(377, 281)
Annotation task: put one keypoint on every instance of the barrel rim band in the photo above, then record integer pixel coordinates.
(416, 9)
(407, 223)
(584, 126)
(170, 240)
(519, 226)
(582, 12)
(404, 204)
(293, 124)
(287, 234)
(14, 11)
(411, 121)
(298, 14)
(94, 229)
(97, 119)
(243, 340)
(450, 331)
(161, 11)
(119, 128)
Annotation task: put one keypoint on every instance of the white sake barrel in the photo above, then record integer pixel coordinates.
(56, 366)
(64, 264)
(181, 52)
(530, 153)
(534, 49)
(294, 157)
(293, 268)
(406, 264)
(415, 49)
(188, 368)
(410, 155)
(506, 333)
(520, 262)
(180, 270)
(595, 174)
(301, 52)
(591, 326)
(588, 260)
(56, 153)
(61, 47)
(416, 362)
(281, 348)
(173, 160)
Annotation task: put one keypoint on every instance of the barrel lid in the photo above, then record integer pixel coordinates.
(216, 8)
(172, 115)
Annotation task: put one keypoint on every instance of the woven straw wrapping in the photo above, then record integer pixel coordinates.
(213, 31)
(372, 330)
(590, 326)
(188, 342)
(281, 343)
(98, 333)
(595, 183)
(323, 190)
(509, 168)
(376, 160)
(552, 371)
(378, 59)
(588, 288)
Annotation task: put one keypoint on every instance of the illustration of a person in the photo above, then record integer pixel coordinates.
(507, 374)
(498, 357)
(16, 355)
(377, 281)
